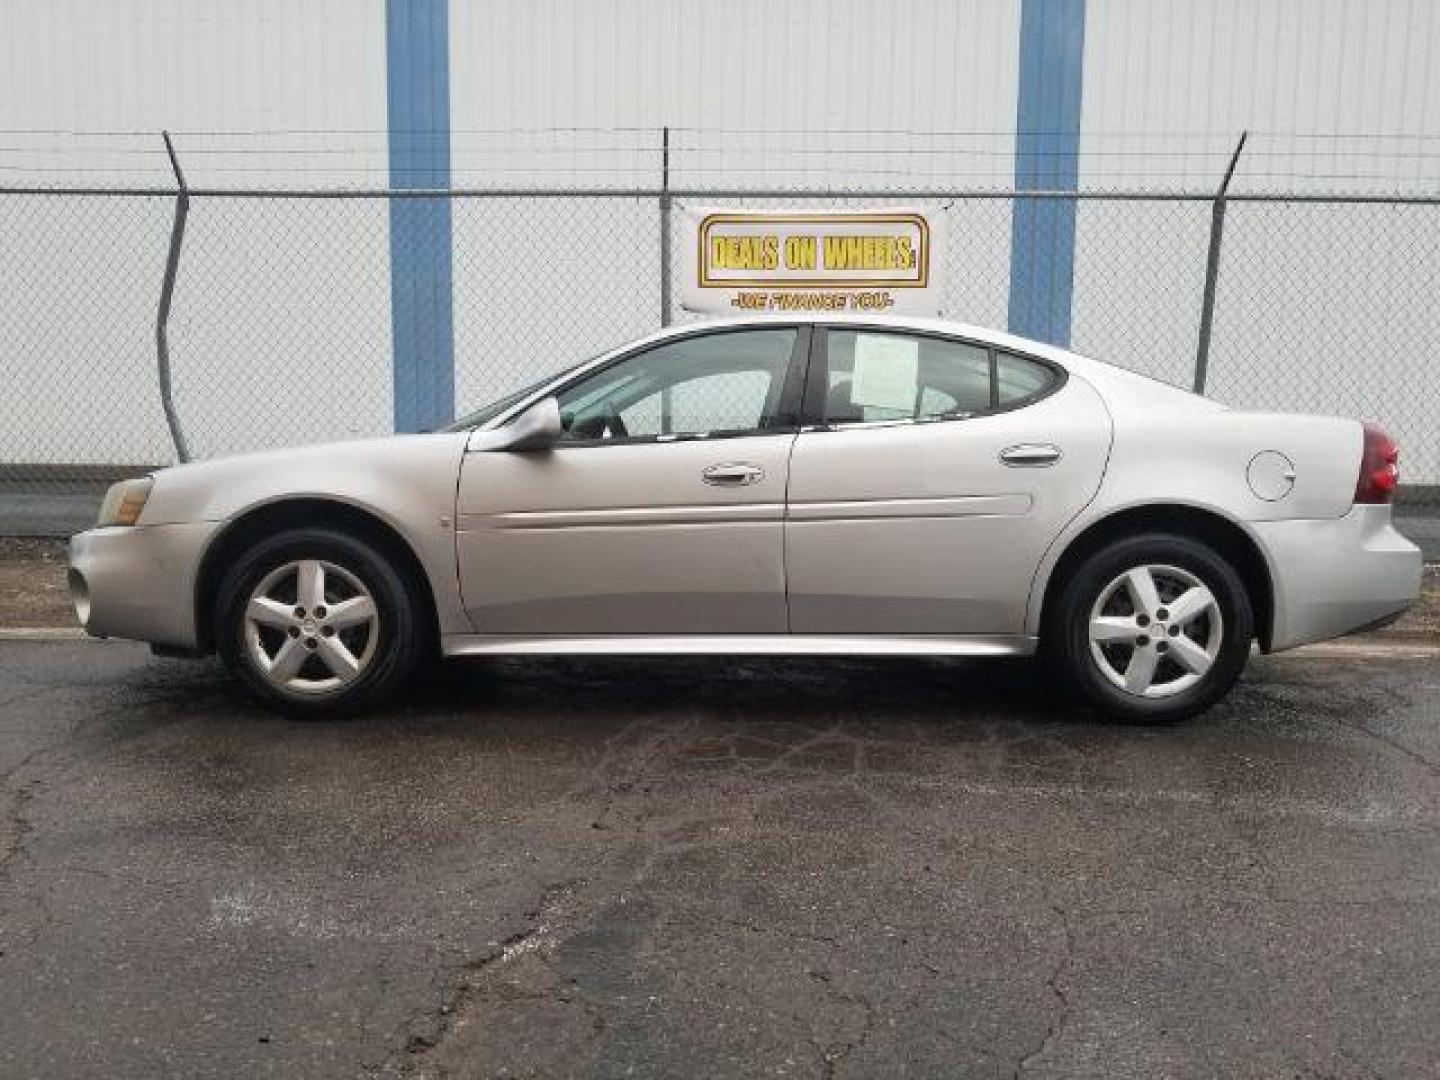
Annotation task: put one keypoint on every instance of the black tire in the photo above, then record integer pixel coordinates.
(1066, 637)
(400, 629)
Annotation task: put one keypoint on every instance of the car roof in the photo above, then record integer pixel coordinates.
(999, 338)
(971, 331)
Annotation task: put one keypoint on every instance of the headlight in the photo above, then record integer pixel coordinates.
(124, 501)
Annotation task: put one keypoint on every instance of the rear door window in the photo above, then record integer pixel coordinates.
(878, 376)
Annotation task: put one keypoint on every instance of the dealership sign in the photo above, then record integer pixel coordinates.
(778, 261)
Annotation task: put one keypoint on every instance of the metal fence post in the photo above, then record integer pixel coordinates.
(665, 227)
(1212, 269)
(167, 293)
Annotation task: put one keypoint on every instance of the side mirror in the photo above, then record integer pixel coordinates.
(537, 428)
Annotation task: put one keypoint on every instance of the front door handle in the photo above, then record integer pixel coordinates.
(733, 474)
(1030, 455)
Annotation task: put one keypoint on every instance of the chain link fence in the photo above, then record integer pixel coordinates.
(280, 331)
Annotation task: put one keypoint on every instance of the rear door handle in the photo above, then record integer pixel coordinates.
(733, 474)
(1030, 455)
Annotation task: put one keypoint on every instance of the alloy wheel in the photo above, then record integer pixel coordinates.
(311, 627)
(1155, 631)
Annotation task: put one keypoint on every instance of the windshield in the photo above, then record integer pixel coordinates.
(487, 413)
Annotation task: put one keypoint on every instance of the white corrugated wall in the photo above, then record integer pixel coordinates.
(262, 92)
(1322, 308)
(560, 93)
(276, 299)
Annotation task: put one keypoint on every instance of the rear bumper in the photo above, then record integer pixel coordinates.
(1337, 576)
(139, 582)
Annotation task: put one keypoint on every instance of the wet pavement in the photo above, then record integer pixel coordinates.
(717, 868)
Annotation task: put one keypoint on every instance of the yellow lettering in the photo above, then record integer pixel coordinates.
(842, 252)
(808, 301)
(800, 252)
(745, 252)
(868, 252)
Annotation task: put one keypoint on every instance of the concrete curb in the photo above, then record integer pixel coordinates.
(44, 633)
(1399, 650)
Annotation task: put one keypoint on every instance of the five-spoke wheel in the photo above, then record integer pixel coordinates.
(316, 620)
(1155, 630)
(311, 626)
(1150, 627)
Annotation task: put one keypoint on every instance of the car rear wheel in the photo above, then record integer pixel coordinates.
(318, 622)
(1151, 628)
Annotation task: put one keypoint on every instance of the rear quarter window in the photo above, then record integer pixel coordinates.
(1018, 379)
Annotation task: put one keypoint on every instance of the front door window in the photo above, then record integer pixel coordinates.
(710, 385)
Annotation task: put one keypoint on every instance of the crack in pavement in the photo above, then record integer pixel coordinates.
(1345, 716)
(21, 794)
(20, 828)
(1052, 981)
(424, 1031)
(1393, 743)
(835, 1056)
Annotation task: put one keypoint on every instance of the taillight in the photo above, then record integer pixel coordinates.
(1379, 467)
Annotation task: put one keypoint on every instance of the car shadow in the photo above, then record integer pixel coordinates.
(458, 693)
(454, 694)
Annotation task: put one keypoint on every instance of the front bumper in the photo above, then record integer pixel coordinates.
(138, 582)
(1337, 576)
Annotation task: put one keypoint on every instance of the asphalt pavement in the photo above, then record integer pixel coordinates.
(716, 868)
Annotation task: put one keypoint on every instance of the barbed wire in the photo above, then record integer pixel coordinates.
(844, 158)
(1129, 133)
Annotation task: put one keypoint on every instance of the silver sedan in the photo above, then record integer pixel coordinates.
(796, 486)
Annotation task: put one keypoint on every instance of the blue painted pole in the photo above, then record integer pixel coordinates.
(1047, 147)
(417, 51)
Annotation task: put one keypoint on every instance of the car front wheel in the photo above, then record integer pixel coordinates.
(316, 621)
(1151, 628)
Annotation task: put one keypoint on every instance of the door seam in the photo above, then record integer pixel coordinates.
(785, 531)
